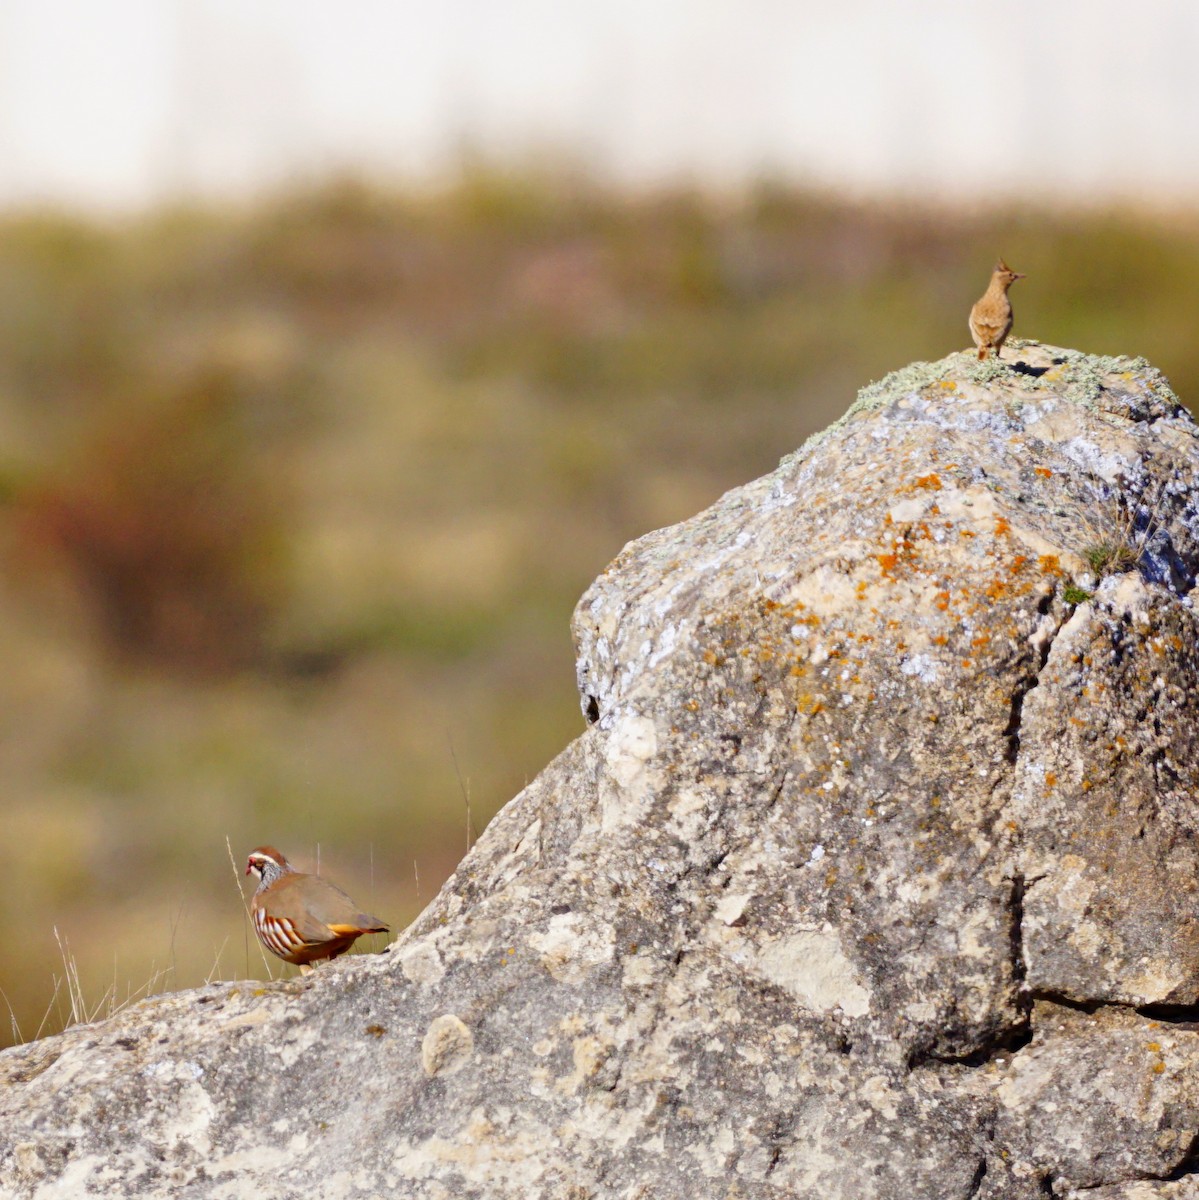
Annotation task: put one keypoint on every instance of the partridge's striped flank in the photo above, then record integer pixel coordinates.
(278, 935)
(302, 918)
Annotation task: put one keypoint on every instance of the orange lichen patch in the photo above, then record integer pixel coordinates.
(949, 385)
(940, 640)
(901, 548)
(809, 705)
(996, 589)
(1018, 563)
(692, 706)
(1049, 564)
(941, 601)
(1158, 1067)
(930, 483)
(1050, 780)
(983, 639)
(1087, 785)
(1153, 1047)
(967, 533)
(1044, 472)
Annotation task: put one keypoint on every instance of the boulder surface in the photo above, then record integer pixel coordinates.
(873, 877)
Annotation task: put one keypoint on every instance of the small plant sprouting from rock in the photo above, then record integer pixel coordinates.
(1111, 557)
(1075, 595)
(1119, 536)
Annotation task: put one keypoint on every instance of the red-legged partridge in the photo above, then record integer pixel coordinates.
(302, 918)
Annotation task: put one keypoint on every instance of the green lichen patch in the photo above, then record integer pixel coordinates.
(878, 394)
(1082, 377)
(1074, 376)
(986, 370)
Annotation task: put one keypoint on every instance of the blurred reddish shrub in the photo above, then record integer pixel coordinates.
(168, 526)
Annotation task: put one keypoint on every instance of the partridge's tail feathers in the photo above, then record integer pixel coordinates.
(362, 924)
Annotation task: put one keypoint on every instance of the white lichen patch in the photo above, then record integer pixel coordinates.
(1108, 463)
(827, 590)
(523, 856)
(573, 945)
(639, 970)
(588, 1054)
(1158, 979)
(421, 962)
(476, 1154)
(631, 745)
(880, 1095)
(1071, 884)
(976, 935)
(295, 1040)
(809, 964)
(687, 815)
(730, 908)
(1127, 594)
(1091, 941)
(712, 1154)
(268, 1157)
(921, 666)
(447, 1046)
(254, 1016)
(191, 1116)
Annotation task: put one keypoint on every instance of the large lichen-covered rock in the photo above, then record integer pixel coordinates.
(873, 878)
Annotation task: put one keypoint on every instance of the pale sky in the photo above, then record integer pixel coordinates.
(128, 101)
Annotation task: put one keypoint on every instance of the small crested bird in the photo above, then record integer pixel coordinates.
(302, 918)
(991, 317)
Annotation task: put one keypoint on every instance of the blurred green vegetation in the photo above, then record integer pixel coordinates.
(296, 500)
